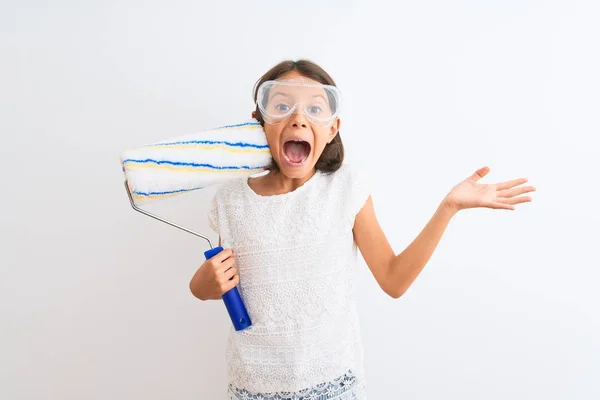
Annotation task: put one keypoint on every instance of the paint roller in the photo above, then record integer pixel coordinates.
(191, 162)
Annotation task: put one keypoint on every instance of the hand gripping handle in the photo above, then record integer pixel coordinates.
(232, 299)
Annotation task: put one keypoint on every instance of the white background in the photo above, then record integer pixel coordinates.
(94, 300)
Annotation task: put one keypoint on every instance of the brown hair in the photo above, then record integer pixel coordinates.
(333, 154)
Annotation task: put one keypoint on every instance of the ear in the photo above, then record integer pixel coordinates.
(254, 114)
(334, 129)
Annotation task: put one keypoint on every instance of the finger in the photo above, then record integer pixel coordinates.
(223, 255)
(515, 200)
(225, 265)
(230, 284)
(480, 173)
(501, 206)
(516, 191)
(510, 184)
(227, 275)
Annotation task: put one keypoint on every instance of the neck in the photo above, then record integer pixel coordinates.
(283, 184)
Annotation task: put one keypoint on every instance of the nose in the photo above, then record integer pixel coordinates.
(298, 119)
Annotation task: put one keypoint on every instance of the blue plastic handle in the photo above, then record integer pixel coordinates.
(232, 299)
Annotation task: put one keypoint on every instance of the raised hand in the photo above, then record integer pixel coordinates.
(471, 194)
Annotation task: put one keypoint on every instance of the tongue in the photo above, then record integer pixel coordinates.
(296, 151)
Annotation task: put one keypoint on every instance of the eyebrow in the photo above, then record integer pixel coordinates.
(278, 93)
(286, 95)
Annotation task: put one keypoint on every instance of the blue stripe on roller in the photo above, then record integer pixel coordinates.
(189, 164)
(239, 125)
(137, 193)
(232, 144)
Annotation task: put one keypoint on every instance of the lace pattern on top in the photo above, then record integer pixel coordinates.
(296, 257)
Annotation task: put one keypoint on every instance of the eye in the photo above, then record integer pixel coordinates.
(282, 107)
(314, 110)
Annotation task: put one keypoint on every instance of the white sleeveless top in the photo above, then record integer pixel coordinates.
(296, 259)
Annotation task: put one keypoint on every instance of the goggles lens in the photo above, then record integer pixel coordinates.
(279, 99)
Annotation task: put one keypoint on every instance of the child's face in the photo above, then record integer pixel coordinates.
(295, 143)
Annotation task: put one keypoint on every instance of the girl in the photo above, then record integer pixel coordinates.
(295, 232)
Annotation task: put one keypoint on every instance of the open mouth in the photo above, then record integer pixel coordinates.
(296, 151)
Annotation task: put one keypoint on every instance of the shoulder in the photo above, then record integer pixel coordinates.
(225, 195)
(230, 190)
(352, 188)
(348, 175)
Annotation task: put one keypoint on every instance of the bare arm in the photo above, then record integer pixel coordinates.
(396, 273)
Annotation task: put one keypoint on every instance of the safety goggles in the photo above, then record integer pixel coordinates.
(277, 100)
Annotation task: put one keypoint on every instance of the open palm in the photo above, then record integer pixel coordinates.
(504, 195)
